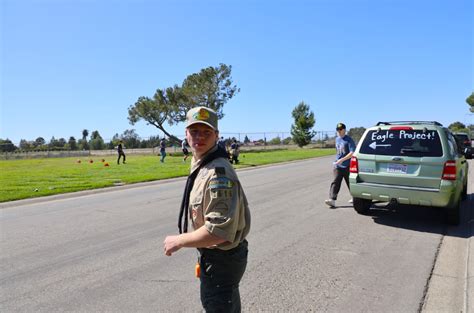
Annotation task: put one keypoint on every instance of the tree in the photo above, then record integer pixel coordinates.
(211, 87)
(287, 141)
(61, 143)
(96, 142)
(356, 133)
(85, 133)
(56, 144)
(39, 142)
(52, 143)
(7, 146)
(470, 101)
(304, 121)
(72, 143)
(83, 144)
(275, 141)
(130, 139)
(25, 145)
(151, 142)
(246, 140)
(95, 134)
(457, 126)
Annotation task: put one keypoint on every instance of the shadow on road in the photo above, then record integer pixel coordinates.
(424, 219)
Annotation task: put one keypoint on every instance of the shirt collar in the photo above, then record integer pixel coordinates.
(196, 163)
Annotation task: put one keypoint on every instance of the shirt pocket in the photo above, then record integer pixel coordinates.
(196, 212)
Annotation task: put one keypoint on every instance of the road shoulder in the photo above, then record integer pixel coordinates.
(450, 288)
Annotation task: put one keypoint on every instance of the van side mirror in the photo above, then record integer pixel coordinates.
(467, 153)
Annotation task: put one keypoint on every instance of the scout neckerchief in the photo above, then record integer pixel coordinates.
(184, 210)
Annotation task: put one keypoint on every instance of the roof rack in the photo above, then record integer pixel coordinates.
(409, 122)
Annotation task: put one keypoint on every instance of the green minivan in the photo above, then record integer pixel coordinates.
(414, 163)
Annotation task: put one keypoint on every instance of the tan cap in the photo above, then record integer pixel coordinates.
(202, 115)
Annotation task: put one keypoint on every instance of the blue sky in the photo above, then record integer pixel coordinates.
(67, 65)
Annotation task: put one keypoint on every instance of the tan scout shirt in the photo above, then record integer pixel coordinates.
(218, 202)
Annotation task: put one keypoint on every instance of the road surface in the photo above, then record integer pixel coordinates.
(103, 252)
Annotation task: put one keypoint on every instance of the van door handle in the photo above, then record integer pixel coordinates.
(397, 159)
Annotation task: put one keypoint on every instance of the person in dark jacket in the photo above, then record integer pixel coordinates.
(120, 152)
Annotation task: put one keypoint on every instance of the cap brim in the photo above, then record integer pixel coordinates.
(201, 122)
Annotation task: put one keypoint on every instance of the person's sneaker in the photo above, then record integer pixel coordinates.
(351, 201)
(330, 202)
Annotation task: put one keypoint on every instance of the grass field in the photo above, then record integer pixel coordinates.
(20, 179)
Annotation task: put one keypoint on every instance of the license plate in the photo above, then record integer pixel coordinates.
(397, 168)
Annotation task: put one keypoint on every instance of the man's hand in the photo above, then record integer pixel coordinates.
(171, 245)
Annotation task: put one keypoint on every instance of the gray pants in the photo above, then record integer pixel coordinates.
(339, 174)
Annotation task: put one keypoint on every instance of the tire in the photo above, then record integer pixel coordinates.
(453, 214)
(362, 206)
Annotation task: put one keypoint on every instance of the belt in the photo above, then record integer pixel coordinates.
(217, 251)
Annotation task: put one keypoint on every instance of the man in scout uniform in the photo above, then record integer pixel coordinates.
(215, 203)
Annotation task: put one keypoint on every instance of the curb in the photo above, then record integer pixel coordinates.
(450, 286)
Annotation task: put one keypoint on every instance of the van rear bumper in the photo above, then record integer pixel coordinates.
(442, 197)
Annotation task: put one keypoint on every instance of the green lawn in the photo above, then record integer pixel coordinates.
(20, 179)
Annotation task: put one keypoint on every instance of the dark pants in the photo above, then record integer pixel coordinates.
(163, 155)
(221, 272)
(120, 154)
(339, 174)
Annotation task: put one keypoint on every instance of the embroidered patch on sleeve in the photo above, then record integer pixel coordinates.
(220, 183)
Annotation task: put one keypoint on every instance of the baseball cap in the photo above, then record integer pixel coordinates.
(201, 115)
(340, 126)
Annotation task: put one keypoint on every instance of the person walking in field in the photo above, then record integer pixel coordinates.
(184, 148)
(162, 150)
(120, 152)
(234, 152)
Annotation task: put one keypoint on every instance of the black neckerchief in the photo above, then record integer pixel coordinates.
(184, 210)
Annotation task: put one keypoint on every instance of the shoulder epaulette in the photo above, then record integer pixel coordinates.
(220, 170)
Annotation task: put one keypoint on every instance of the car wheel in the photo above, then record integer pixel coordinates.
(362, 206)
(453, 214)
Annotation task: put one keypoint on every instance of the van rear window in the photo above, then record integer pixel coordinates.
(415, 143)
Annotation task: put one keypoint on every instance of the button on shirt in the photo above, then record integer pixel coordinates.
(218, 202)
(344, 145)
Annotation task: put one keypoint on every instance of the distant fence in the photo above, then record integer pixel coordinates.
(42, 154)
(144, 151)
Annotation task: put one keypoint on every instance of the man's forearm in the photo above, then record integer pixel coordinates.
(200, 238)
(346, 157)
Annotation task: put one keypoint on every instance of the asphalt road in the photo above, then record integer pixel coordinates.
(103, 252)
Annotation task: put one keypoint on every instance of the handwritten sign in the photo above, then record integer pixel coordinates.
(403, 135)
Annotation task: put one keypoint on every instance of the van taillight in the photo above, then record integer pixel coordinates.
(449, 171)
(354, 165)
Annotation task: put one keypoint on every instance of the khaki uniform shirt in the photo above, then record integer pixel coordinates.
(217, 202)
